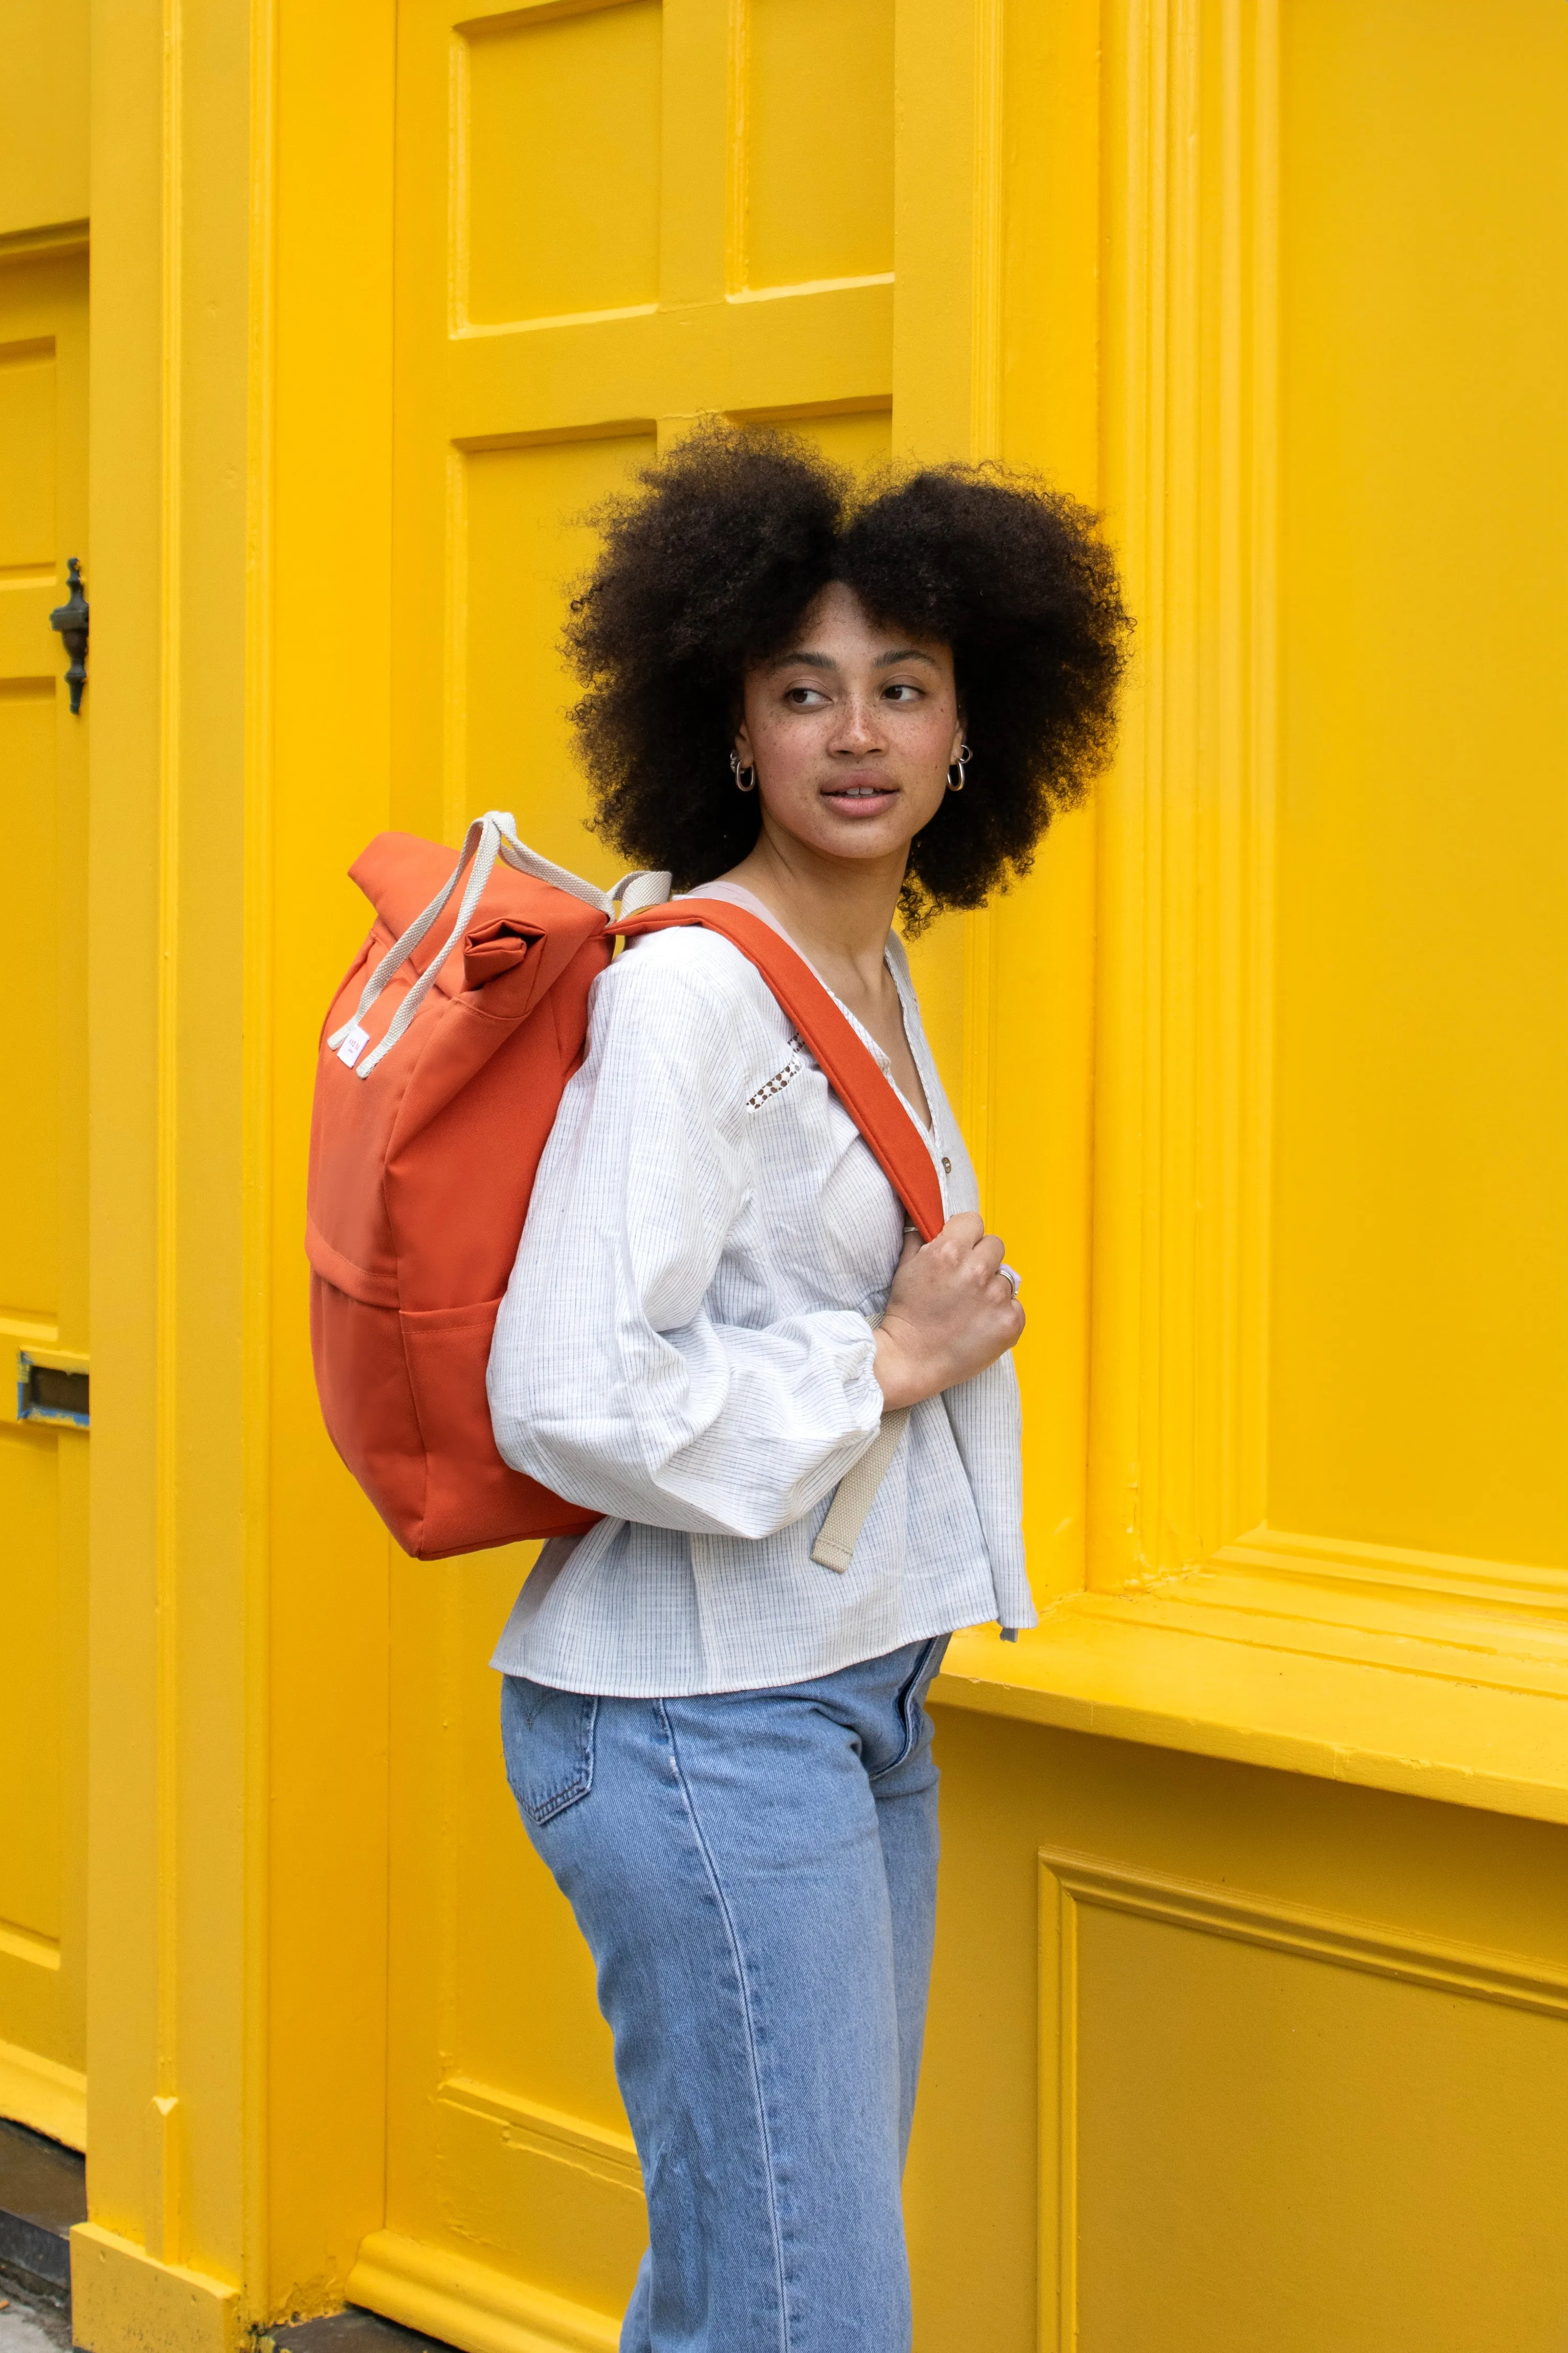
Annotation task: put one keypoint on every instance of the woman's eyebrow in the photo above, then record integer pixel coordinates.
(824, 662)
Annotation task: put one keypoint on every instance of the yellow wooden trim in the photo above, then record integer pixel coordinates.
(255, 2032)
(58, 1360)
(1408, 1716)
(125, 2301)
(167, 2166)
(808, 345)
(875, 404)
(40, 2093)
(58, 237)
(810, 286)
(737, 150)
(697, 153)
(313, 2178)
(471, 2305)
(610, 429)
(33, 1333)
(615, 2152)
(512, 20)
(1517, 1585)
(1405, 1627)
(468, 331)
(23, 1945)
(1518, 1981)
(1185, 1018)
(177, 1814)
(1058, 2115)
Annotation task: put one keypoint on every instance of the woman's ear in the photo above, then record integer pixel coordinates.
(743, 752)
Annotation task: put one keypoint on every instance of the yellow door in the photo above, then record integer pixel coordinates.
(43, 1242)
(600, 235)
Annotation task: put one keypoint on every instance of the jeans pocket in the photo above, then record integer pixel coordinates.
(548, 1739)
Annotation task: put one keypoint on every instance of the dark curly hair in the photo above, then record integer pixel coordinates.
(708, 568)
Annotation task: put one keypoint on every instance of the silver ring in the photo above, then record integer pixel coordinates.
(1013, 1278)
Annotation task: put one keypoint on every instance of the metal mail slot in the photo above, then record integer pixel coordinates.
(49, 1393)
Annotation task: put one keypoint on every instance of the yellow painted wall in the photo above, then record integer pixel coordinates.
(1253, 1968)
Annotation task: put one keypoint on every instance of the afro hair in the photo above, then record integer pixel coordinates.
(708, 566)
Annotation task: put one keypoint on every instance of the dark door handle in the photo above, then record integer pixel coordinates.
(70, 620)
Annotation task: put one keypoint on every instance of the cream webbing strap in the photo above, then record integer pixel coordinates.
(856, 1493)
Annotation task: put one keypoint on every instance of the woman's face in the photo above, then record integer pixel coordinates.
(851, 730)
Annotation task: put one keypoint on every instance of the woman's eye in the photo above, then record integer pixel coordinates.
(901, 690)
(802, 697)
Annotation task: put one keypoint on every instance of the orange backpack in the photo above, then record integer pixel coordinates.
(443, 1061)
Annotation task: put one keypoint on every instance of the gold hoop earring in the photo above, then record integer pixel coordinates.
(965, 758)
(746, 778)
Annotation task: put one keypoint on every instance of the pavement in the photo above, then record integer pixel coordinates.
(28, 2325)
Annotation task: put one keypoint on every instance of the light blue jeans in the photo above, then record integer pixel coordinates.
(755, 1873)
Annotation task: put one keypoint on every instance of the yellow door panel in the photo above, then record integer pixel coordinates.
(1419, 1389)
(30, 1177)
(816, 154)
(507, 2136)
(29, 1723)
(43, 1278)
(1256, 2126)
(527, 541)
(561, 140)
(28, 424)
(43, 114)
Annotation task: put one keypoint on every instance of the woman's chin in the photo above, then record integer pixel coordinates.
(872, 838)
(868, 843)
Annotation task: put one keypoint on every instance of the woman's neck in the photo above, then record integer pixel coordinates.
(839, 912)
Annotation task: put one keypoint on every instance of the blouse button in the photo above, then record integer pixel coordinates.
(946, 1166)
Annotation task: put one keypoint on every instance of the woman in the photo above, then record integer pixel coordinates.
(829, 712)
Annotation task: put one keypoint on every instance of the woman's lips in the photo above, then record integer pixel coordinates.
(860, 794)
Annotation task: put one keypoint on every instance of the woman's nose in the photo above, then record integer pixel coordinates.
(857, 730)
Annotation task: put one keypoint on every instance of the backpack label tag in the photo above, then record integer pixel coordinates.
(355, 1040)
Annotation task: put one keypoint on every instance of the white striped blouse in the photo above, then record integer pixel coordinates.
(685, 1345)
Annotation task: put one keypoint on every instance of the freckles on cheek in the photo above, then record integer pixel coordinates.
(787, 749)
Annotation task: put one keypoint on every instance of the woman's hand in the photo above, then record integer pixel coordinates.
(950, 1314)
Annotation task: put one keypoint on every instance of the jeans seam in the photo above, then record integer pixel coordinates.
(713, 1880)
(907, 1713)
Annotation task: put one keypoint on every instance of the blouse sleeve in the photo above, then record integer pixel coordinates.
(610, 1379)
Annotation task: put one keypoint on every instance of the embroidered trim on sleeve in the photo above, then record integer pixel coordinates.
(780, 1080)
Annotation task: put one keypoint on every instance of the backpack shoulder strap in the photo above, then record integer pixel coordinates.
(849, 1069)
